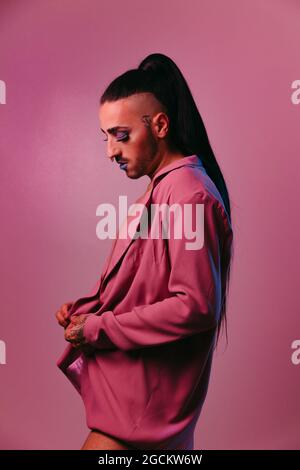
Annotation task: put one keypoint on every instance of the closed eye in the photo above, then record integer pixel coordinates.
(123, 136)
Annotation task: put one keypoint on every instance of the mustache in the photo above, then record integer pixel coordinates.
(119, 160)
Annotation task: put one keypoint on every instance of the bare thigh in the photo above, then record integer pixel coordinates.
(97, 440)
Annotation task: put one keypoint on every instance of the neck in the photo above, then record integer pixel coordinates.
(166, 160)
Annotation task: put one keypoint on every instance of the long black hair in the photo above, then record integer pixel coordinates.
(159, 75)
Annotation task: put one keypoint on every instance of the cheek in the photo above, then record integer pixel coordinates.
(148, 144)
(143, 146)
(140, 141)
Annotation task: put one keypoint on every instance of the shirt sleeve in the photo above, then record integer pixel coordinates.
(194, 285)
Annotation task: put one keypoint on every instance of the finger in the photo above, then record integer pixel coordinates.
(61, 319)
(79, 318)
(65, 322)
(75, 319)
(58, 315)
(66, 308)
(70, 334)
(62, 314)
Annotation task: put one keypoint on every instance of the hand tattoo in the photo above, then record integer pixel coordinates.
(74, 331)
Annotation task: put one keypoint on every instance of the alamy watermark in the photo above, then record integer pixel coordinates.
(295, 357)
(295, 96)
(176, 220)
(2, 92)
(2, 352)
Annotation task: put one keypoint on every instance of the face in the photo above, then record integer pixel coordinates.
(134, 129)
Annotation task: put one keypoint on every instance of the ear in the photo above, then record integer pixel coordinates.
(161, 124)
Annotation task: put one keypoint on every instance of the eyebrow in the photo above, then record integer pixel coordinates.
(112, 130)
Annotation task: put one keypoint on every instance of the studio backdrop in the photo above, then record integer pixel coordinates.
(241, 62)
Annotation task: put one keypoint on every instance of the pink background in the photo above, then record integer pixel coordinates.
(56, 59)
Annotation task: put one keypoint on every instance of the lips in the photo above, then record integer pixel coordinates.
(123, 165)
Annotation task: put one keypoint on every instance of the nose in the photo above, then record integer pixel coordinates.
(112, 151)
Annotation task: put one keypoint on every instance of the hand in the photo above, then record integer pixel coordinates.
(62, 315)
(74, 331)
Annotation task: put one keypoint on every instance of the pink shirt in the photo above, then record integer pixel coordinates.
(152, 321)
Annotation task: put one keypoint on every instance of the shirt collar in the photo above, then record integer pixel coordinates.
(191, 160)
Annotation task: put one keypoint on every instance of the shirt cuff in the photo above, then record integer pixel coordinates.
(94, 334)
(90, 328)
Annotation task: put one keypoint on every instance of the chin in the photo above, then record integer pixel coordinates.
(133, 173)
(133, 177)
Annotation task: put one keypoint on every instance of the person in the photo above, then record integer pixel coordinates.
(141, 342)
